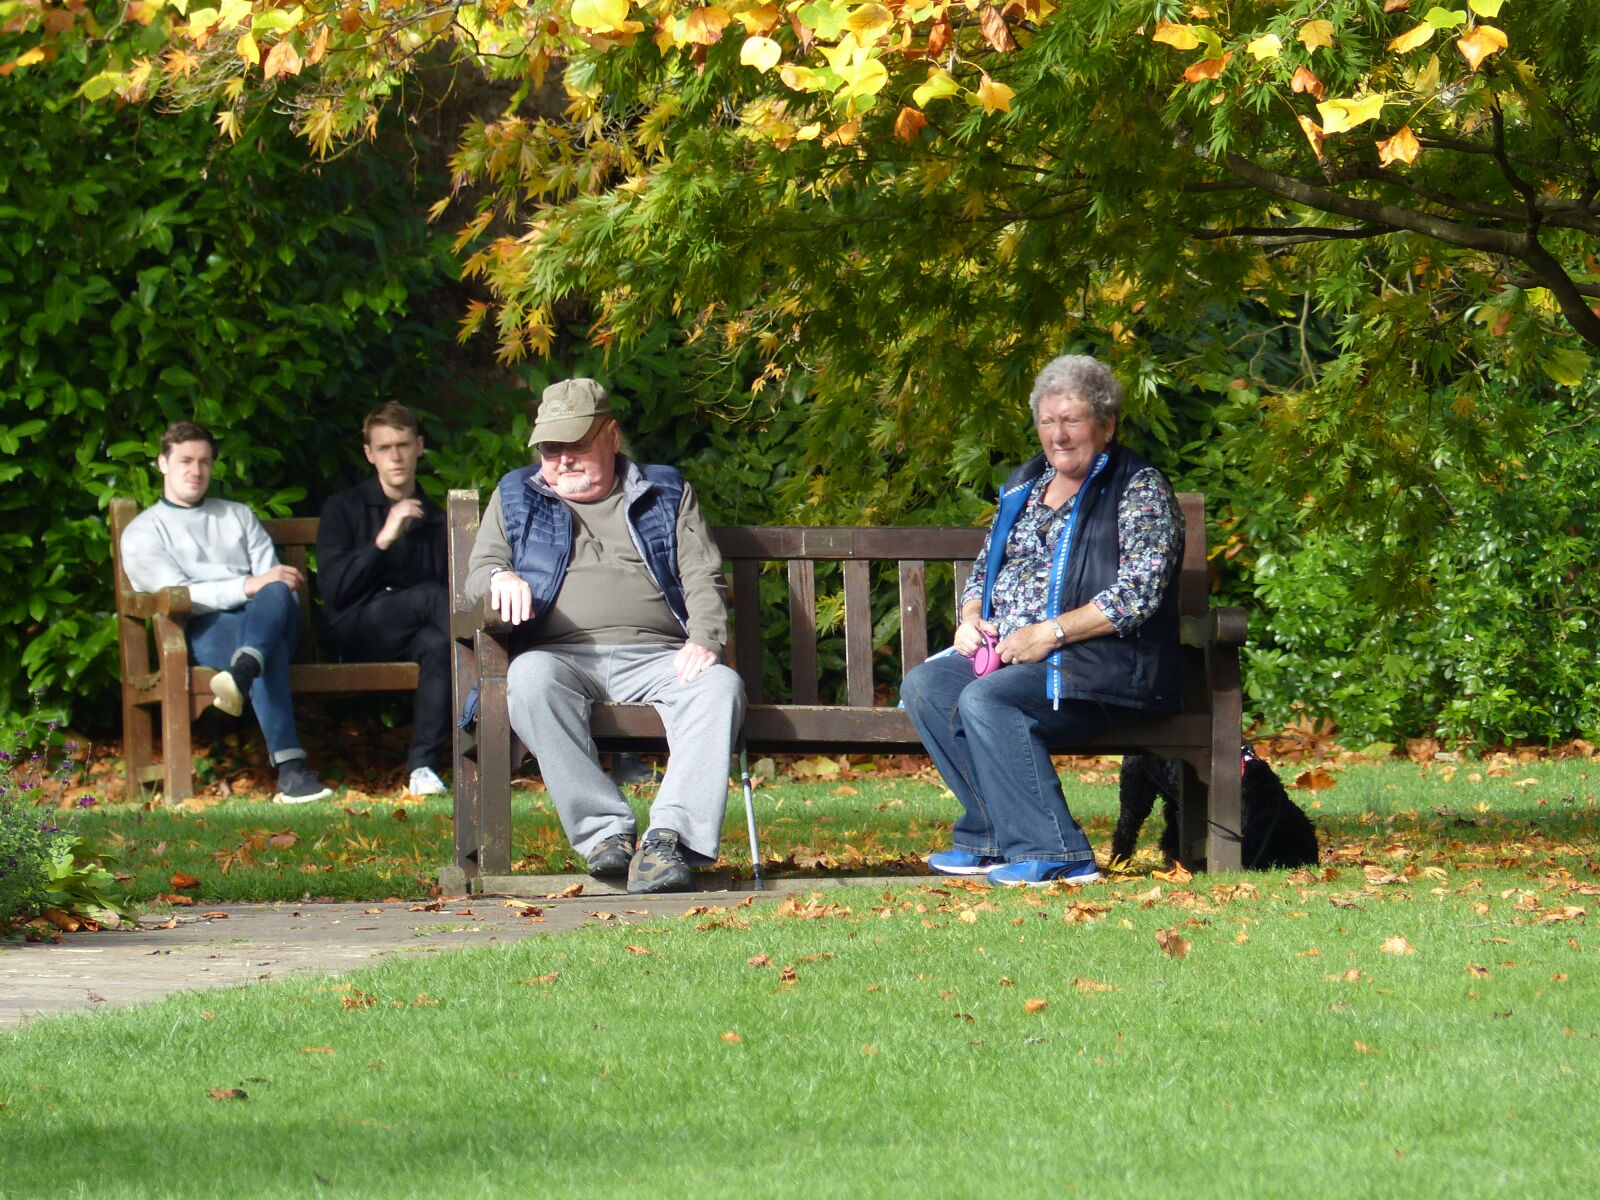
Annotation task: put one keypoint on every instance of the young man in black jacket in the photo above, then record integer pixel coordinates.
(381, 574)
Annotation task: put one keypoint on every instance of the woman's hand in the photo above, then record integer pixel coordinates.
(969, 633)
(1031, 643)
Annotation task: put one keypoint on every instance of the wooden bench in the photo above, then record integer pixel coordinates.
(1205, 735)
(162, 693)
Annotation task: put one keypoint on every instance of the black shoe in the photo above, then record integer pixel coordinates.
(659, 865)
(298, 784)
(611, 856)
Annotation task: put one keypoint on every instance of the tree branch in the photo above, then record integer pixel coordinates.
(1291, 235)
(1525, 248)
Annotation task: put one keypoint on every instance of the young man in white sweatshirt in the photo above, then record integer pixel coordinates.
(245, 619)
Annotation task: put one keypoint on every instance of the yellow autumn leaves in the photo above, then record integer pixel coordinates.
(841, 50)
(1476, 42)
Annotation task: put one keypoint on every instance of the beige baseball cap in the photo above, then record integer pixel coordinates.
(569, 410)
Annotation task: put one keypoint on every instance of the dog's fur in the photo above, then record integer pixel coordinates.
(1276, 832)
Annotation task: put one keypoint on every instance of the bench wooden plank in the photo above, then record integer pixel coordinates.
(802, 630)
(913, 613)
(747, 634)
(858, 632)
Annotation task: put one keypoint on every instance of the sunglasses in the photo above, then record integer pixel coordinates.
(557, 449)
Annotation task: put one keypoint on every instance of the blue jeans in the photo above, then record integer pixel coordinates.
(268, 626)
(991, 739)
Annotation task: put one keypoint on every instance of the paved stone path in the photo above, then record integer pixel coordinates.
(233, 945)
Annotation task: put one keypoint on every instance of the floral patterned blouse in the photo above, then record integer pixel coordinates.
(1149, 534)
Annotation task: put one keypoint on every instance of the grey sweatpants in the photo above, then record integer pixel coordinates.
(549, 693)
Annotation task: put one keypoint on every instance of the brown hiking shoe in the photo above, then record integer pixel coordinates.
(611, 856)
(659, 865)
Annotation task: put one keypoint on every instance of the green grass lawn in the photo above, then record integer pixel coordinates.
(905, 1042)
(1418, 1017)
(361, 847)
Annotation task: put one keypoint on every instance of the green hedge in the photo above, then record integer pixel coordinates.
(148, 272)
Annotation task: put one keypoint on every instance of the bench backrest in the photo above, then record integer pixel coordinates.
(751, 549)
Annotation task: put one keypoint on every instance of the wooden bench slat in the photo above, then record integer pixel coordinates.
(747, 627)
(858, 632)
(779, 543)
(803, 630)
(913, 614)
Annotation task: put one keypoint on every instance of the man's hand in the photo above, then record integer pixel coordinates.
(401, 514)
(511, 597)
(691, 659)
(967, 639)
(281, 573)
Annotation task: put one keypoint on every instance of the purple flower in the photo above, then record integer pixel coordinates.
(86, 802)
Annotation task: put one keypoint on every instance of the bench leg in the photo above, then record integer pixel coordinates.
(176, 711)
(1225, 823)
(494, 775)
(1194, 803)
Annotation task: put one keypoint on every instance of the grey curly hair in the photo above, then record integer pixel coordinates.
(1083, 378)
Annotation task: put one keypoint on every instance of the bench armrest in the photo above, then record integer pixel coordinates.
(168, 602)
(466, 623)
(1226, 626)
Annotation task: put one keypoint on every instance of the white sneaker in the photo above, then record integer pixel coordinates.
(425, 781)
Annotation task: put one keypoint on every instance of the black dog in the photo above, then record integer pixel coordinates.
(1276, 832)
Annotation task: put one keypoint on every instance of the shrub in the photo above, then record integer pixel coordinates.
(44, 867)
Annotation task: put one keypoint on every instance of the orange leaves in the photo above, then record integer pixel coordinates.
(1313, 132)
(704, 26)
(184, 883)
(1314, 780)
(1172, 943)
(994, 28)
(1207, 68)
(909, 123)
(1092, 986)
(283, 59)
(809, 909)
(1402, 147)
(1034, 1005)
(1479, 44)
(1397, 945)
(1304, 81)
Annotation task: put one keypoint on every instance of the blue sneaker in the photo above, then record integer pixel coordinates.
(959, 862)
(1037, 873)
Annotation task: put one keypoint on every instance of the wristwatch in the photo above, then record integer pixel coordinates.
(1061, 634)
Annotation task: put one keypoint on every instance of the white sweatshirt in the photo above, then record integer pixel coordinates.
(210, 549)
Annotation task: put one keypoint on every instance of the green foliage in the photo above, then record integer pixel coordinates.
(77, 883)
(1490, 635)
(43, 865)
(149, 273)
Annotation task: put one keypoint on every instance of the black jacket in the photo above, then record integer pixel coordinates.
(351, 570)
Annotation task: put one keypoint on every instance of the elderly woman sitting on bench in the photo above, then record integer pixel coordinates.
(1069, 627)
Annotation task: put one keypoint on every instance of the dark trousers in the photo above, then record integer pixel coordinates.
(408, 625)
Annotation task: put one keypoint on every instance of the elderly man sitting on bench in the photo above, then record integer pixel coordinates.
(610, 571)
